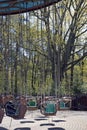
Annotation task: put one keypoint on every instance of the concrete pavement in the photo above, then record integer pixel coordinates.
(64, 120)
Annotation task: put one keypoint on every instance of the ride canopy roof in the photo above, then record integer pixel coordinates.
(8, 7)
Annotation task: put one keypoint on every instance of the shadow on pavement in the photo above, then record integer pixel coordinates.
(58, 121)
(40, 119)
(2, 128)
(56, 128)
(24, 128)
(47, 124)
(27, 122)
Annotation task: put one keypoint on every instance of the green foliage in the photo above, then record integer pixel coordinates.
(30, 50)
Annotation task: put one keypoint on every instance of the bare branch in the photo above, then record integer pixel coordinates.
(81, 33)
(76, 61)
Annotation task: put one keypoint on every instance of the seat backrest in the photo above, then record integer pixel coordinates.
(16, 111)
(32, 103)
(62, 104)
(11, 109)
(50, 108)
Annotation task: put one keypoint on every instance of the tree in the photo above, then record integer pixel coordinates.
(44, 45)
(65, 23)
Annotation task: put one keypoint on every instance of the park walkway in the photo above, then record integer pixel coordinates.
(64, 120)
